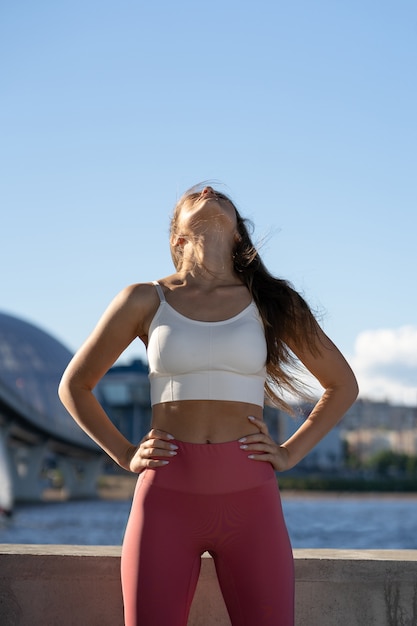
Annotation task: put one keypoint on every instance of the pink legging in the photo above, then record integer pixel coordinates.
(210, 497)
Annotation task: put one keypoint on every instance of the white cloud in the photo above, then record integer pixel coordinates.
(385, 363)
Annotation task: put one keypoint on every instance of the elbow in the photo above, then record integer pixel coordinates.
(352, 387)
(346, 389)
(356, 390)
(68, 387)
(350, 391)
(72, 386)
(64, 389)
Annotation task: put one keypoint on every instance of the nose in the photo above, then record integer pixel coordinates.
(208, 192)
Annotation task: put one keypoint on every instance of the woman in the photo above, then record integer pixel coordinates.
(220, 334)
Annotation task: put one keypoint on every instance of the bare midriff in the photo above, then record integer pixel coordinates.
(206, 421)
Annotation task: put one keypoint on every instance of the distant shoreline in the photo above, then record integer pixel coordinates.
(295, 494)
(122, 487)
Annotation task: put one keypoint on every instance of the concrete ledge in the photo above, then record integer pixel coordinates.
(80, 586)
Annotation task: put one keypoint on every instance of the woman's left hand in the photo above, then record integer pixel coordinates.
(263, 448)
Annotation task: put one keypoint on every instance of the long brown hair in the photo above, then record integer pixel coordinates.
(285, 314)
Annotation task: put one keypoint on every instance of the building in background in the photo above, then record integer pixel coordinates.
(372, 427)
(125, 396)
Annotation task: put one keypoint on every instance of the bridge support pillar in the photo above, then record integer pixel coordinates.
(81, 475)
(27, 464)
(6, 480)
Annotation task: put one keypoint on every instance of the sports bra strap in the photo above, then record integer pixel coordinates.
(159, 290)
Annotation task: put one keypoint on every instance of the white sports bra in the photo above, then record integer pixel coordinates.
(194, 360)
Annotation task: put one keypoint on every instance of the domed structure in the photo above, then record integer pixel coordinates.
(31, 366)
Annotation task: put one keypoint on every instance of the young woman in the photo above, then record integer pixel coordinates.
(221, 333)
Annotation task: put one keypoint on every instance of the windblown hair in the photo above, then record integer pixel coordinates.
(286, 316)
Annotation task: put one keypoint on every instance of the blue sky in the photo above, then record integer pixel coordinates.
(305, 112)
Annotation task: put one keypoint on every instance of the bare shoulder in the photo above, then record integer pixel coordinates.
(141, 299)
(139, 293)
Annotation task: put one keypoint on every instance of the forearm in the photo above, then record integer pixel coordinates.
(91, 417)
(326, 414)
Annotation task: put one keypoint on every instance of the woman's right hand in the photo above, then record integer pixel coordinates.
(156, 444)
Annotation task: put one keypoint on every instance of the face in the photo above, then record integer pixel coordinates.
(195, 213)
(206, 207)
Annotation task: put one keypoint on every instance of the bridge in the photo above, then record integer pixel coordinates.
(36, 431)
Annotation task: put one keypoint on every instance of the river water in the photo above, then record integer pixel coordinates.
(341, 522)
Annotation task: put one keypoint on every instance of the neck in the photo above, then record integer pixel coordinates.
(209, 261)
(206, 275)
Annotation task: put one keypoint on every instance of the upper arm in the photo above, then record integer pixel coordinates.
(124, 319)
(325, 362)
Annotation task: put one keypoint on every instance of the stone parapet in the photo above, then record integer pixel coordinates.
(80, 586)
